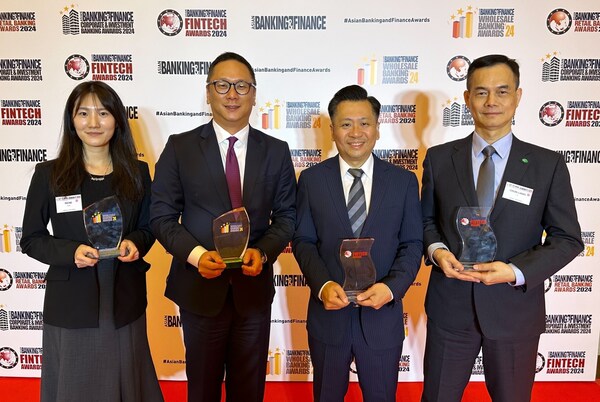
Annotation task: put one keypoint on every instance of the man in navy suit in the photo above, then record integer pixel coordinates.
(499, 307)
(371, 330)
(225, 312)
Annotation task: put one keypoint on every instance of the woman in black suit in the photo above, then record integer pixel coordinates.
(94, 339)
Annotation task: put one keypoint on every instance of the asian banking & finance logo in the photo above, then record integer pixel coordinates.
(551, 114)
(8, 357)
(17, 21)
(96, 22)
(569, 69)
(20, 112)
(565, 362)
(279, 114)
(472, 22)
(77, 67)
(6, 280)
(456, 114)
(559, 21)
(20, 69)
(405, 158)
(200, 23)
(457, 68)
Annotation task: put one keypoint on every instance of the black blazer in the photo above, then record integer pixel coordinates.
(393, 220)
(190, 190)
(71, 299)
(503, 311)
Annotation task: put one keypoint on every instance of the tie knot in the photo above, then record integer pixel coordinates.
(357, 173)
(489, 151)
(232, 141)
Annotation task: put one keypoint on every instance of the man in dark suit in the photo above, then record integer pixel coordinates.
(225, 312)
(371, 330)
(498, 306)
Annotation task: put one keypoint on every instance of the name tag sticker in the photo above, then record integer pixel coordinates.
(517, 193)
(68, 203)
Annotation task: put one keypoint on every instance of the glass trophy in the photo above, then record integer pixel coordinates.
(478, 239)
(103, 222)
(355, 255)
(231, 232)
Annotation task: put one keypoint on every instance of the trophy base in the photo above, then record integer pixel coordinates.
(107, 253)
(232, 263)
(351, 295)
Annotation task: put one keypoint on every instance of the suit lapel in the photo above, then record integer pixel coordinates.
(379, 187)
(461, 159)
(211, 154)
(516, 166)
(256, 154)
(336, 194)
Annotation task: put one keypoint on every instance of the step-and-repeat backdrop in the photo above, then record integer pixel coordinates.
(413, 56)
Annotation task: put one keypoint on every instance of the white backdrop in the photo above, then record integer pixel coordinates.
(411, 56)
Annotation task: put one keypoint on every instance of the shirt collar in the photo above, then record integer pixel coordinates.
(502, 146)
(366, 167)
(223, 135)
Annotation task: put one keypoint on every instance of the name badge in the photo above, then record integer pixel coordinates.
(68, 203)
(517, 193)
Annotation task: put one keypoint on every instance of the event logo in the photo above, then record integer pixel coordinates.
(478, 366)
(23, 155)
(173, 67)
(169, 22)
(456, 114)
(572, 283)
(298, 114)
(172, 321)
(581, 156)
(96, 22)
(8, 357)
(566, 362)
(398, 114)
(21, 320)
(31, 358)
(559, 21)
(555, 69)
(400, 70)
(206, 23)
(551, 113)
(406, 158)
(288, 22)
(21, 112)
(483, 22)
(275, 362)
(20, 69)
(17, 21)
(112, 67)
(306, 157)
(6, 280)
(77, 67)
(30, 280)
(289, 280)
(568, 323)
(588, 238)
(540, 362)
(457, 68)
(404, 364)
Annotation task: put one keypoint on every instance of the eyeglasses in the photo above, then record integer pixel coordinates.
(222, 87)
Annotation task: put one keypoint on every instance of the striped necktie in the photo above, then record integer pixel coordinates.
(357, 206)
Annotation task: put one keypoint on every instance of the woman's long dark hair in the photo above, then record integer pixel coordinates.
(69, 168)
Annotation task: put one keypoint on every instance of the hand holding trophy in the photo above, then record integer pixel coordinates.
(103, 222)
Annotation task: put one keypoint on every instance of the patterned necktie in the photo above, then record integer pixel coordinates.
(232, 173)
(357, 206)
(485, 180)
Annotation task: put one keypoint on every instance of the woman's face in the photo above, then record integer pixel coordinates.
(94, 124)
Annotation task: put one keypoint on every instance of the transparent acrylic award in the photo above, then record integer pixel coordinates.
(231, 232)
(478, 239)
(355, 255)
(103, 222)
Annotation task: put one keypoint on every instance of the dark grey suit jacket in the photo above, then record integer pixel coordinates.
(190, 184)
(393, 220)
(503, 311)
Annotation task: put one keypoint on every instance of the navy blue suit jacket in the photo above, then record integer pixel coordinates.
(190, 184)
(393, 220)
(503, 311)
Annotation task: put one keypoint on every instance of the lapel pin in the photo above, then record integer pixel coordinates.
(524, 160)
